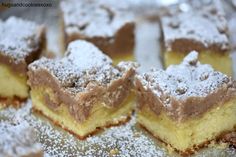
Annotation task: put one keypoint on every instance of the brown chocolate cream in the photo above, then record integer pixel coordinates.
(184, 91)
(82, 78)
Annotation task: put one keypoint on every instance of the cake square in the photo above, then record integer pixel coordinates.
(187, 105)
(21, 42)
(108, 25)
(203, 29)
(18, 140)
(83, 91)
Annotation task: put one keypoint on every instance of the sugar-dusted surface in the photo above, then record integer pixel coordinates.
(207, 28)
(83, 63)
(94, 19)
(18, 138)
(19, 38)
(189, 79)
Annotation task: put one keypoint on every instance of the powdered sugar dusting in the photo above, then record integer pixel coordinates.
(83, 63)
(204, 28)
(189, 79)
(94, 18)
(19, 38)
(17, 137)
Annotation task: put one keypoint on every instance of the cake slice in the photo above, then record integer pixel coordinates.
(108, 25)
(21, 42)
(187, 105)
(203, 29)
(82, 91)
(18, 140)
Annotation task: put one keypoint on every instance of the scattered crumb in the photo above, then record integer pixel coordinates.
(212, 144)
(113, 152)
(137, 134)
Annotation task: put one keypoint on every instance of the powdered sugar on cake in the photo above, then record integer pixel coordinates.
(206, 29)
(83, 63)
(19, 38)
(95, 19)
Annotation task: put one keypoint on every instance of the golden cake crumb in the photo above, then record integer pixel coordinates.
(114, 151)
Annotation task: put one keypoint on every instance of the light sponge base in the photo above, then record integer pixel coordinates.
(192, 133)
(12, 85)
(99, 117)
(220, 61)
